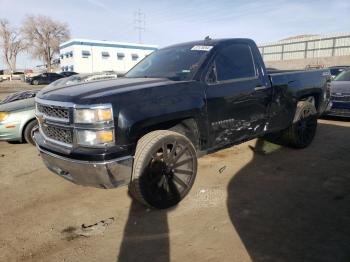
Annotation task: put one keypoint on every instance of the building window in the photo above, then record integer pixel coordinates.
(134, 57)
(85, 53)
(62, 68)
(71, 54)
(71, 68)
(67, 55)
(61, 56)
(120, 56)
(105, 55)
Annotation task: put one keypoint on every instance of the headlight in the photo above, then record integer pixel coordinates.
(95, 138)
(92, 116)
(3, 116)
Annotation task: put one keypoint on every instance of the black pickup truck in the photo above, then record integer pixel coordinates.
(148, 128)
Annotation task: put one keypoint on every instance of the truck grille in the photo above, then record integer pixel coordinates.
(58, 134)
(341, 98)
(56, 112)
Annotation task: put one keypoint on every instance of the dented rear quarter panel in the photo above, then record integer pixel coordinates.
(290, 87)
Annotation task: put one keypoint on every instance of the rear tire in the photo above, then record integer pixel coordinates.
(27, 134)
(35, 82)
(165, 168)
(303, 129)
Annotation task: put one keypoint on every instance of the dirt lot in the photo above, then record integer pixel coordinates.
(252, 202)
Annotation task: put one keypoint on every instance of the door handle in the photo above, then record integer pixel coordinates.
(257, 88)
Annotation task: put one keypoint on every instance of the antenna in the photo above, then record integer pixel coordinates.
(140, 23)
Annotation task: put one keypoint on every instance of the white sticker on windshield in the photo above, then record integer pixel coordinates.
(201, 48)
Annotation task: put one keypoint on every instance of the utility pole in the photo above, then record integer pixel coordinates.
(140, 23)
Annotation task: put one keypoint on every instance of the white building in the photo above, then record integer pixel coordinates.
(87, 56)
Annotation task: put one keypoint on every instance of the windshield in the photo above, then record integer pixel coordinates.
(176, 63)
(343, 76)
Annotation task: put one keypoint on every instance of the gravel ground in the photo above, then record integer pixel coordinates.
(252, 202)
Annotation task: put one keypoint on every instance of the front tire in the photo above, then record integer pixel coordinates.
(165, 168)
(27, 134)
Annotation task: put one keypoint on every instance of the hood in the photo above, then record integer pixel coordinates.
(18, 105)
(97, 90)
(341, 87)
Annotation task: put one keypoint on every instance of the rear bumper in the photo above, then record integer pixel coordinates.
(109, 174)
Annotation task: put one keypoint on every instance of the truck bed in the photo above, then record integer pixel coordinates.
(299, 82)
(290, 87)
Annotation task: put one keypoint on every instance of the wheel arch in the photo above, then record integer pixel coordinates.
(191, 124)
(314, 98)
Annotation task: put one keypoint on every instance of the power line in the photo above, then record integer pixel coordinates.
(140, 23)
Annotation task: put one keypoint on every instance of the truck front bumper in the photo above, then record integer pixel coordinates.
(109, 174)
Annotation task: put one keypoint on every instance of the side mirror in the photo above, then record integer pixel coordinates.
(212, 75)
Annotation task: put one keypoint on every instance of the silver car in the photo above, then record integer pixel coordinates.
(340, 95)
(17, 120)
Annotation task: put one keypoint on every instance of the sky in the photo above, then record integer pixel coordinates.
(170, 22)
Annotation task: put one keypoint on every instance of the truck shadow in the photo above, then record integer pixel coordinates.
(294, 205)
(146, 235)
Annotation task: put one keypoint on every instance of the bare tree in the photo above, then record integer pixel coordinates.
(43, 37)
(11, 44)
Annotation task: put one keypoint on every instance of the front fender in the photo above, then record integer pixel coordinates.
(161, 109)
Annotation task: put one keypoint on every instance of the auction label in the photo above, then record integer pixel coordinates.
(202, 48)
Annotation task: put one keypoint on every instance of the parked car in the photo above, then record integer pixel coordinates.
(19, 96)
(340, 95)
(17, 120)
(336, 70)
(17, 75)
(43, 79)
(83, 78)
(147, 128)
(68, 73)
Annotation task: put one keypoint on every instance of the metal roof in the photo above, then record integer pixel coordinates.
(303, 38)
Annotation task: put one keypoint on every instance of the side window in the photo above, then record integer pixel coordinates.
(234, 62)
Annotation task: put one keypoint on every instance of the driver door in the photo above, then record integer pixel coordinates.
(237, 100)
